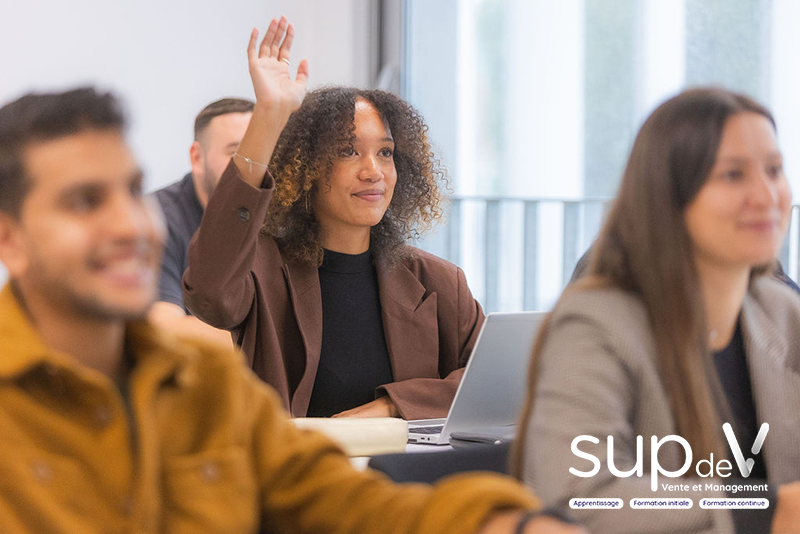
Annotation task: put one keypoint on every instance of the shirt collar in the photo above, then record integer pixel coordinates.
(22, 349)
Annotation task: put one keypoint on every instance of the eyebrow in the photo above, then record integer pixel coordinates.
(96, 184)
(382, 140)
(737, 160)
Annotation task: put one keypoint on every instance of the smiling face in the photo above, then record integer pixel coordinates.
(86, 240)
(741, 213)
(360, 187)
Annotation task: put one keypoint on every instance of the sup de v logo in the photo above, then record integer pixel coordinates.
(722, 468)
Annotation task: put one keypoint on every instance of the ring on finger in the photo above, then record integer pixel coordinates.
(286, 61)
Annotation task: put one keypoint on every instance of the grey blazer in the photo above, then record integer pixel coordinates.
(598, 376)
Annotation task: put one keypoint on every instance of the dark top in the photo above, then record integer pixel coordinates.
(182, 215)
(239, 280)
(354, 359)
(731, 364)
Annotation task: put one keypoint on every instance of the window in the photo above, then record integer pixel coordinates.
(534, 105)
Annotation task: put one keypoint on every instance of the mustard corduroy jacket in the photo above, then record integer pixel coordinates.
(201, 445)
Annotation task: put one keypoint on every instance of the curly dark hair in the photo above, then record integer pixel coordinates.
(303, 159)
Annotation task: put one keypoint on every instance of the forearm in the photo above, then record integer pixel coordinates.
(259, 141)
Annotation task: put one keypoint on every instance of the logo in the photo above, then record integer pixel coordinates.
(722, 468)
(745, 466)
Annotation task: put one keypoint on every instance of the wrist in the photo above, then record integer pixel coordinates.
(391, 406)
(273, 110)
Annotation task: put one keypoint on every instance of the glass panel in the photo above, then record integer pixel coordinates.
(535, 99)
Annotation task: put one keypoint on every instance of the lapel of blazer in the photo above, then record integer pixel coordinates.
(410, 323)
(306, 301)
(776, 391)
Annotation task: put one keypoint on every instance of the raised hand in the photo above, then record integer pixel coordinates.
(269, 67)
(277, 97)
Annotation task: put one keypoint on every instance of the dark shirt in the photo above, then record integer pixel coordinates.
(182, 215)
(354, 359)
(731, 364)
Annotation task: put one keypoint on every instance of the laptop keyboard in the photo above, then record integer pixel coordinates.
(426, 429)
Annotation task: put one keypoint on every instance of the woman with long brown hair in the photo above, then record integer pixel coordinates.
(674, 331)
(301, 253)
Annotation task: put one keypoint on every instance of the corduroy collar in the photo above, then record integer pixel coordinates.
(22, 348)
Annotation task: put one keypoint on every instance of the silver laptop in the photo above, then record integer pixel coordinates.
(492, 390)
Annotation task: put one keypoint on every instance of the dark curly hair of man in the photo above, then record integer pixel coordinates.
(318, 132)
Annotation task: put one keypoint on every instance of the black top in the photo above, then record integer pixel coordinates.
(182, 214)
(731, 364)
(354, 359)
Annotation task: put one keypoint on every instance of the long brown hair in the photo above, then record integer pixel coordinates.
(644, 248)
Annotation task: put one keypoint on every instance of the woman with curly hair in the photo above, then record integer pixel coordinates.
(306, 263)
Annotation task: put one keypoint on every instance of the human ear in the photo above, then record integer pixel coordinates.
(196, 157)
(13, 253)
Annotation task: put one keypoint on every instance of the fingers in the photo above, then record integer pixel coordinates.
(251, 46)
(302, 72)
(266, 44)
(276, 42)
(286, 46)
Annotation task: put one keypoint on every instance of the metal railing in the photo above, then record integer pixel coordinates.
(575, 223)
(541, 230)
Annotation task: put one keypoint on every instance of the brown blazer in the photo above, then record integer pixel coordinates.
(238, 280)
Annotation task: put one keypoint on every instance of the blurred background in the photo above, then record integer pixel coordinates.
(532, 104)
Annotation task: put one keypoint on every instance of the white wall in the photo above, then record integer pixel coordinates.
(169, 58)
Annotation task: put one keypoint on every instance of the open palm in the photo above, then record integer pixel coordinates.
(269, 67)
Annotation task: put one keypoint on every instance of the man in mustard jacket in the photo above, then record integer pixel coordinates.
(109, 425)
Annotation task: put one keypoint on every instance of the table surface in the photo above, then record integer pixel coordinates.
(361, 462)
